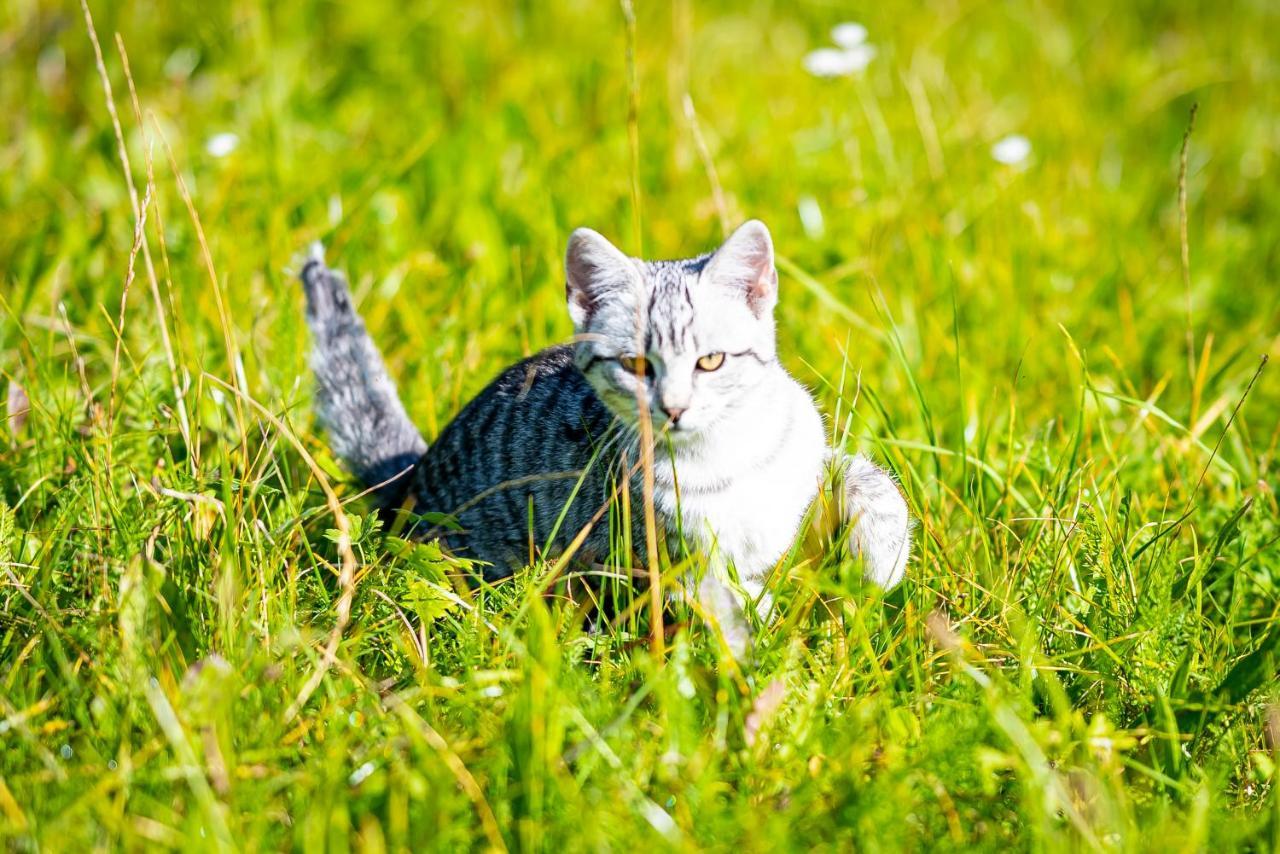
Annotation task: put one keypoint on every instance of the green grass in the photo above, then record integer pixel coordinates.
(1084, 653)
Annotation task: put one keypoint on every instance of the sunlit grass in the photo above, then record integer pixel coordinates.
(984, 280)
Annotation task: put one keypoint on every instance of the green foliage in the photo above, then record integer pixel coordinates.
(1084, 654)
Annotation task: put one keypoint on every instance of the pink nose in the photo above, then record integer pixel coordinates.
(674, 412)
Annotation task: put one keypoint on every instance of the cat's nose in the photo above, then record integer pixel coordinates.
(674, 412)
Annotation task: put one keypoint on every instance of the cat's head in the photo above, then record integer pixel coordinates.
(690, 339)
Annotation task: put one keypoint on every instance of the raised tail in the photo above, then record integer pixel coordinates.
(356, 400)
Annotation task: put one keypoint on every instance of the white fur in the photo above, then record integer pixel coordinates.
(740, 490)
(748, 448)
(879, 521)
(745, 264)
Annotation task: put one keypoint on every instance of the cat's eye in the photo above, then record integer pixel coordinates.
(711, 361)
(636, 365)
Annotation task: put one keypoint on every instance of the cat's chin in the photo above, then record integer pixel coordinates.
(684, 436)
(680, 435)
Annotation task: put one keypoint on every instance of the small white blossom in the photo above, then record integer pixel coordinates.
(860, 55)
(848, 35)
(1012, 150)
(826, 62)
(835, 62)
(222, 144)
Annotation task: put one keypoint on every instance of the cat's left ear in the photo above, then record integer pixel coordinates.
(744, 263)
(595, 271)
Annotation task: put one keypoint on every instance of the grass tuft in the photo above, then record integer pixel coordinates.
(207, 641)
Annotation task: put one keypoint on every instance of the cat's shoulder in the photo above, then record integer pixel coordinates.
(554, 364)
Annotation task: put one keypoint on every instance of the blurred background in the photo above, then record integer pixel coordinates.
(444, 151)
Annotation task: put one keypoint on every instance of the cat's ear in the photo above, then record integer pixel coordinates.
(744, 263)
(594, 271)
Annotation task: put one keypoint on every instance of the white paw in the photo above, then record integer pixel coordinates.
(722, 609)
(879, 522)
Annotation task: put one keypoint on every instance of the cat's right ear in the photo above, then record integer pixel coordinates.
(744, 263)
(594, 270)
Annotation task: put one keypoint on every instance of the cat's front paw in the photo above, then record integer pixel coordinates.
(878, 523)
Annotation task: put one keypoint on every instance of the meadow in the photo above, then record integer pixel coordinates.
(1030, 261)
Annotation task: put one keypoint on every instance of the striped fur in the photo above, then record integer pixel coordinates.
(542, 453)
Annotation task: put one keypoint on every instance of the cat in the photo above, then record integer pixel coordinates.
(541, 457)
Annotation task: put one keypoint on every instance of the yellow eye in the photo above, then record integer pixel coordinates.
(635, 365)
(711, 362)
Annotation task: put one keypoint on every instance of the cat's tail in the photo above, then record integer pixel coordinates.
(356, 400)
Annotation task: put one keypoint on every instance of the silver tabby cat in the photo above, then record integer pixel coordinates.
(541, 454)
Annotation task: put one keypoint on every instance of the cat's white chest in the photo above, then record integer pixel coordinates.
(741, 499)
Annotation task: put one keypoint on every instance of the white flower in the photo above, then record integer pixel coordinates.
(826, 62)
(835, 62)
(848, 35)
(860, 55)
(222, 144)
(1012, 150)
